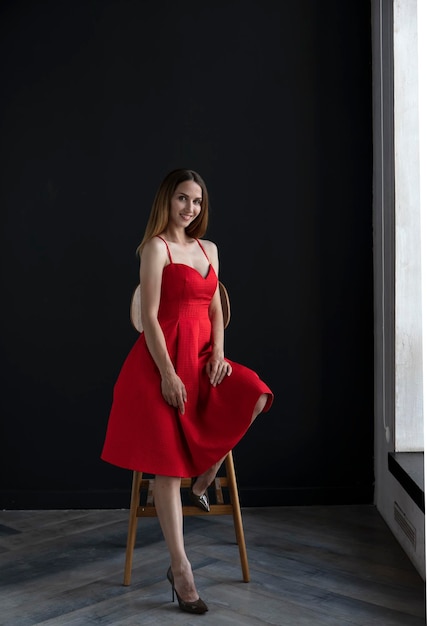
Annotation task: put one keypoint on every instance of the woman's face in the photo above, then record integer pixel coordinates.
(185, 203)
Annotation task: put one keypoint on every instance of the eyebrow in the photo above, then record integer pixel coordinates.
(182, 193)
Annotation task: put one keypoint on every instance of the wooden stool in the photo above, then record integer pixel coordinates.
(142, 485)
(145, 486)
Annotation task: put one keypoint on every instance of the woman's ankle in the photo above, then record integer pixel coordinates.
(205, 480)
(181, 566)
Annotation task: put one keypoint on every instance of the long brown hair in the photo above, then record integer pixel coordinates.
(159, 214)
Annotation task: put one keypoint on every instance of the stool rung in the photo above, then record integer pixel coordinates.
(216, 509)
(146, 483)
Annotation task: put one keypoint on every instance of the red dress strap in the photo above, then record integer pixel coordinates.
(203, 250)
(167, 248)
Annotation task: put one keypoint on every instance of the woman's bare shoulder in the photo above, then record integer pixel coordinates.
(154, 246)
(154, 252)
(209, 246)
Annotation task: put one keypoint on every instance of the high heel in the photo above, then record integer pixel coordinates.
(198, 606)
(200, 501)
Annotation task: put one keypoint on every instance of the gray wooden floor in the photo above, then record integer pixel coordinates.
(334, 565)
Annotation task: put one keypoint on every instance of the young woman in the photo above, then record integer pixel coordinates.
(179, 405)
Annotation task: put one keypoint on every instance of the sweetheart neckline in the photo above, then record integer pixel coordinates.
(193, 268)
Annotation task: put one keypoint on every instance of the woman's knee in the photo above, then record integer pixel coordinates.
(167, 483)
(261, 402)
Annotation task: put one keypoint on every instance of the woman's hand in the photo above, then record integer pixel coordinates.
(217, 369)
(174, 392)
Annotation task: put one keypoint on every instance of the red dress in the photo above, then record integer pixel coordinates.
(144, 433)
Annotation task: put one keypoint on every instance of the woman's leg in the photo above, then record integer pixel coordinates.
(167, 495)
(262, 401)
(204, 480)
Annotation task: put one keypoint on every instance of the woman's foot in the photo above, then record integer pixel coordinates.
(200, 484)
(195, 606)
(201, 501)
(182, 581)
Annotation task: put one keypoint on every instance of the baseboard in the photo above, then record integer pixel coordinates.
(19, 500)
(306, 496)
(249, 497)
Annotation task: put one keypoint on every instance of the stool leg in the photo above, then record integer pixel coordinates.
(133, 520)
(237, 515)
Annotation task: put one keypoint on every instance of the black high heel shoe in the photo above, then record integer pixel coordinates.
(200, 501)
(198, 606)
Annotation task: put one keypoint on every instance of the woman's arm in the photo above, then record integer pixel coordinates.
(216, 368)
(153, 261)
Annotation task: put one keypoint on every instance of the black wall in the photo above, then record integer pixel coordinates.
(271, 102)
